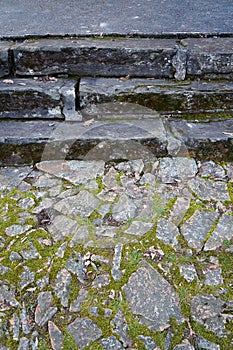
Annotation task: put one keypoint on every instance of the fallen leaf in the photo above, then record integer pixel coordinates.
(8, 81)
(214, 266)
(89, 122)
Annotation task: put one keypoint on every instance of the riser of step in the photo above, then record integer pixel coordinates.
(28, 142)
(38, 99)
(166, 96)
(136, 57)
(59, 99)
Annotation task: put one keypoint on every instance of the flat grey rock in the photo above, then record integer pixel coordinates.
(167, 232)
(111, 343)
(197, 227)
(77, 303)
(139, 228)
(209, 189)
(207, 310)
(44, 310)
(206, 345)
(26, 278)
(77, 172)
(188, 272)
(83, 204)
(12, 177)
(7, 298)
(56, 336)
(213, 273)
(179, 209)
(24, 344)
(125, 17)
(81, 235)
(61, 286)
(148, 342)
(152, 297)
(223, 231)
(84, 331)
(124, 209)
(185, 345)
(176, 169)
(16, 230)
(62, 227)
(211, 169)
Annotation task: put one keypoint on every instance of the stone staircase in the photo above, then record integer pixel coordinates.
(66, 95)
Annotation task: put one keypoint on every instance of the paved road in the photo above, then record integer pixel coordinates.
(58, 17)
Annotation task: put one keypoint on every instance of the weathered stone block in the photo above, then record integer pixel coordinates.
(102, 57)
(38, 99)
(209, 57)
(4, 51)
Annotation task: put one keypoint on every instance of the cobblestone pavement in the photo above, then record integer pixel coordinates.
(127, 255)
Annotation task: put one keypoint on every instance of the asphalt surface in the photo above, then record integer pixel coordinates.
(149, 17)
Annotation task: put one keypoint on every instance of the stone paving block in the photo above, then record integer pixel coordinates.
(84, 331)
(152, 297)
(4, 54)
(89, 57)
(223, 231)
(209, 57)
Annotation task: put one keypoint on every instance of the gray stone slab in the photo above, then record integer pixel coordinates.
(223, 231)
(197, 227)
(76, 172)
(61, 286)
(56, 336)
(165, 95)
(152, 297)
(124, 17)
(106, 57)
(208, 189)
(117, 140)
(84, 331)
(206, 345)
(139, 228)
(44, 310)
(185, 345)
(62, 227)
(111, 343)
(83, 204)
(207, 310)
(209, 57)
(4, 53)
(167, 232)
(176, 169)
(12, 177)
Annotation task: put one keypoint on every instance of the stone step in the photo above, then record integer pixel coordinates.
(169, 97)
(121, 56)
(46, 98)
(51, 98)
(30, 141)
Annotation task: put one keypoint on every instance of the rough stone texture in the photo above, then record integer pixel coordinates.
(30, 99)
(209, 189)
(178, 212)
(213, 170)
(80, 235)
(4, 69)
(148, 341)
(152, 297)
(185, 345)
(197, 227)
(213, 273)
(206, 345)
(111, 343)
(76, 172)
(139, 228)
(207, 310)
(160, 95)
(124, 209)
(23, 344)
(12, 177)
(223, 231)
(188, 272)
(16, 230)
(44, 310)
(62, 227)
(7, 298)
(135, 57)
(61, 286)
(84, 331)
(116, 272)
(175, 169)
(209, 57)
(26, 278)
(76, 305)
(167, 232)
(116, 140)
(56, 336)
(83, 204)
(120, 327)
